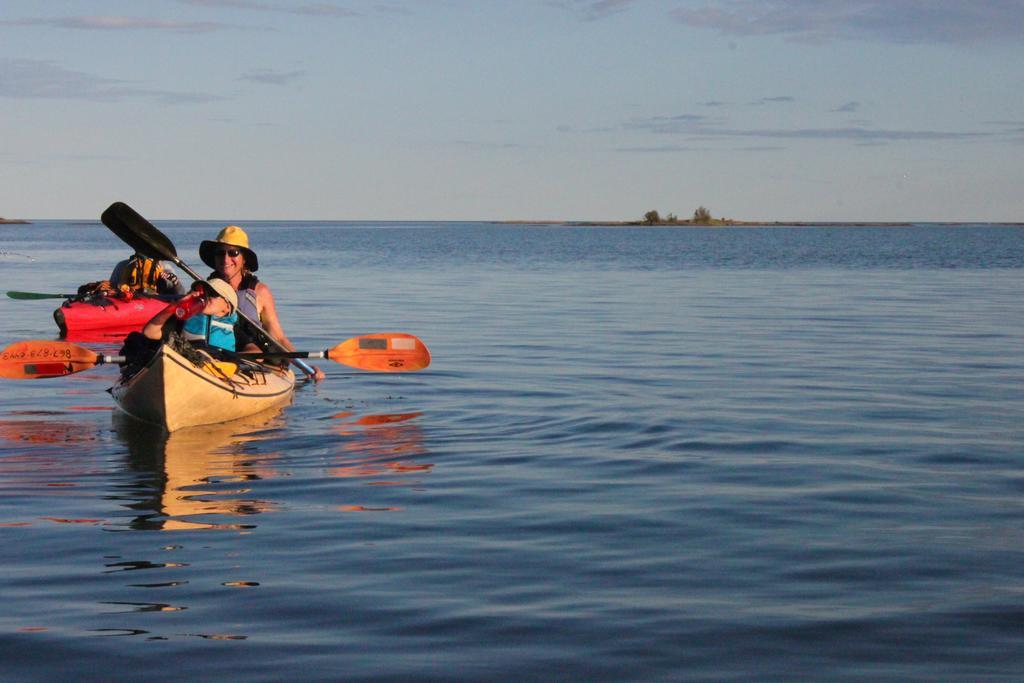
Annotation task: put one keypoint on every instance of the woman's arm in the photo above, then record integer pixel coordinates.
(268, 317)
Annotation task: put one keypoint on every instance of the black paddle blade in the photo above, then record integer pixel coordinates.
(138, 233)
(38, 295)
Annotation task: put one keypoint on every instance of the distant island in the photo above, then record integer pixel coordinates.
(702, 218)
(9, 221)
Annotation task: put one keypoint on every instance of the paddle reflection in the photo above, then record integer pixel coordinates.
(45, 430)
(379, 445)
(42, 453)
(200, 474)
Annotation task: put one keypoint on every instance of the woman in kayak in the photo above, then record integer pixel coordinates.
(234, 262)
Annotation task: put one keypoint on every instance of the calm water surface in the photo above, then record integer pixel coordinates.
(639, 454)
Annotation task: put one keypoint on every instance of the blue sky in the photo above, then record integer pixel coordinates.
(513, 109)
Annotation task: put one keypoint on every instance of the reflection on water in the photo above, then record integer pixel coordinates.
(199, 472)
(197, 478)
(93, 483)
(378, 445)
(43, 455)
(143, 607)
(44, 431)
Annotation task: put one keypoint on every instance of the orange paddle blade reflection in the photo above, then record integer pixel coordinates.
(49, 432)
(376, 445)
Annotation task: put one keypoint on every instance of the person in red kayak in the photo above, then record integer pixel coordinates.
(136, 275)
(233, 261)
(145, 275)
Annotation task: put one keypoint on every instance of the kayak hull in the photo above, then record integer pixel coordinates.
(96, 314)
(172, 392)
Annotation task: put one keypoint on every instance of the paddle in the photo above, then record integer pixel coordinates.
(40, 359)
(39, 295)
(391, 352)
(146, 239)
(141, 235)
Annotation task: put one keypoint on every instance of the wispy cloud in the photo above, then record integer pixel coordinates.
(689, 124)
(661, 149)
(677, 122)
(319, 9)
(785, 99)
(272, 77)
(855, 134)
(393, 9)
(1013, 130)
(118, 23)
(487, 146)
(40, 79)
(699, 127)
(593, 9)
(898, 21)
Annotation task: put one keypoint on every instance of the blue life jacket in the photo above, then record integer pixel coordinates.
(218, 332)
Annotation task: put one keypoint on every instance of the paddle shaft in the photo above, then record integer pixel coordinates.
(284, 354)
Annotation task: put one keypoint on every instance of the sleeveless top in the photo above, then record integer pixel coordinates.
(247, 297)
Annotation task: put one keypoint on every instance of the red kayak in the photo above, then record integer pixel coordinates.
(105, 316)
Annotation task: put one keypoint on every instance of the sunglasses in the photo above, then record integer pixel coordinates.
(233, 253)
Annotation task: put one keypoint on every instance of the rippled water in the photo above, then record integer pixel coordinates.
(639, 454)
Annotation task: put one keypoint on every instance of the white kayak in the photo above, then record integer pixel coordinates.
(174, 392)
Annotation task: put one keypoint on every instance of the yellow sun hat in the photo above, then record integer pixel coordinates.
(231, 235)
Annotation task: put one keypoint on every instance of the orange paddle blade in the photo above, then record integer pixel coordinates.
(391, 352)
(40, 359)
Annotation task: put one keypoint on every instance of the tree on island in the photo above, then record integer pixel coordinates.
(700, 217)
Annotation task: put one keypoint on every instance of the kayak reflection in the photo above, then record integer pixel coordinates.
(200, 475)
(376, 445)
